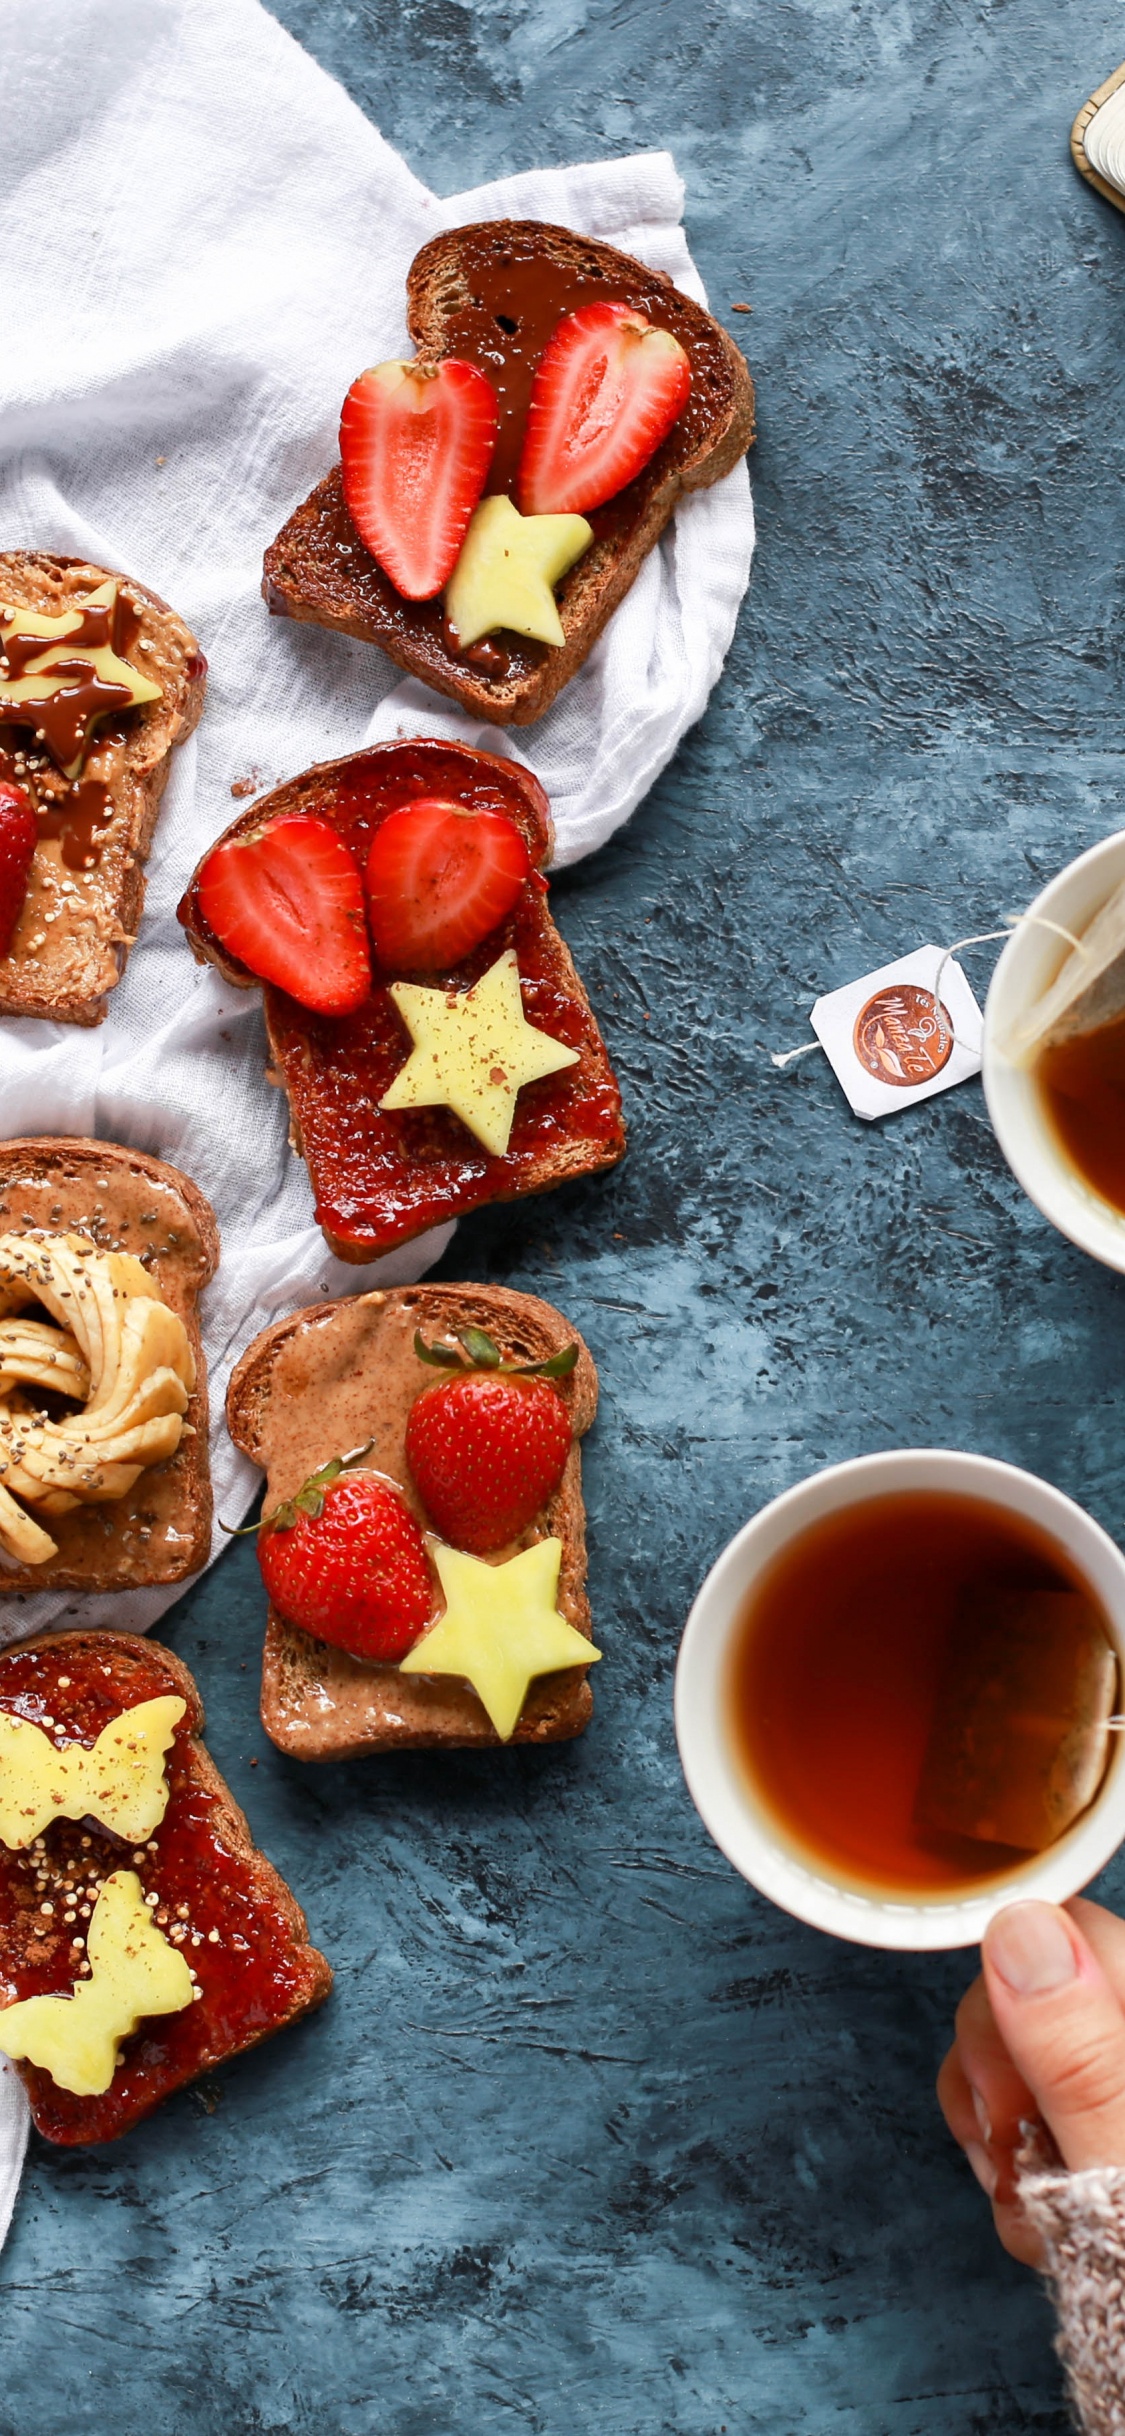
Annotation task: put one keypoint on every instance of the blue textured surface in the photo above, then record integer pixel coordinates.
(589, 2137)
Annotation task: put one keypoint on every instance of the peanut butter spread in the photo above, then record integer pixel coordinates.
(94, 827)
(143, 1526)
(115, 1346)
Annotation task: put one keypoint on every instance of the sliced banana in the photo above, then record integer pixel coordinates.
(118, 1346)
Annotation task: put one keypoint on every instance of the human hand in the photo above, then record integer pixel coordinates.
(1040, 2035)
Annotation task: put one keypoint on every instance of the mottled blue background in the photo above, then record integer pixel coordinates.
(589, 2137)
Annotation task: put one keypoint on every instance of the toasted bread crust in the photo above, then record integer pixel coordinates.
(129, 1666)
(299, 1056)
(105, 1190)
(318, 570)
(348, 1366)
(95, 917)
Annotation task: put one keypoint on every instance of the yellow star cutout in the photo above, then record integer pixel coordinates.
(473, 1051)
(506, 570)
(501, 1628)
(28, 690)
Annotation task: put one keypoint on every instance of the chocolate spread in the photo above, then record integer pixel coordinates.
(64, 717)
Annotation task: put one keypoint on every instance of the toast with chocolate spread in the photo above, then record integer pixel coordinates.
(57, 1191)
(335, 1376)
(492, 295)
(94, 761)
(220, 1917)
(380, 1174)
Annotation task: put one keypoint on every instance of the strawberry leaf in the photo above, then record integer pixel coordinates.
(483, 1353)
(559, 1366)
(309, 1498)
(440, 1357)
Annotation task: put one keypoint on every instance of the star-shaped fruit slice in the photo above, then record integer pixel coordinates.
(500, 1629)
(507, 569)
(473, 1051)
(60, 675)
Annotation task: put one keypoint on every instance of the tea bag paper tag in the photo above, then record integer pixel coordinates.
(884, 1040)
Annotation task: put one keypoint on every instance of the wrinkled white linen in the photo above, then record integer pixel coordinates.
(203, 241)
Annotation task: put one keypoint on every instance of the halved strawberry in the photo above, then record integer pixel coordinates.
(607, 389)
(439, 878)
(19, 833)
(415, 441)
(288, 902)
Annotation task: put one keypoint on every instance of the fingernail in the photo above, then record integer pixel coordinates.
(983, 2168)
(982, 2115)
(1028, 1945)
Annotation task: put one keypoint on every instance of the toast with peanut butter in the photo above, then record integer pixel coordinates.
(99, 680)
(348, 1375)
(143, 1937)
(105, 1479)
(492, 297)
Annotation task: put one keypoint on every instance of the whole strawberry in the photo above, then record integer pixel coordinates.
(19, 835)
(489, 1446)
(346, 1560)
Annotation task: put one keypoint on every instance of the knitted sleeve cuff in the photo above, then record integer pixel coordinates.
(1081, 2219)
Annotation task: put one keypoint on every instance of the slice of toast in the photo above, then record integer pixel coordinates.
(328, 1379)
(1086, 167)
(219, 1901)
(125, 1202)
(380, 1177)
(87, 885)
(492, 295)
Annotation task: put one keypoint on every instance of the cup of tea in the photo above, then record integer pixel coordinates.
(1058, 1113)
(894, 1693)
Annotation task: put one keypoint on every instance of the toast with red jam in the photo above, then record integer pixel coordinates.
(212, 1898)
(349, 1374)
(492, 297)
(99, 680)
(277, 886)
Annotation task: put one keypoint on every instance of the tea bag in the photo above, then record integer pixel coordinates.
(1088, 993)
(1020, 1740)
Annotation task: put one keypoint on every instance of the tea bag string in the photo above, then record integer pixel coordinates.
(982, 938)
(979, 938)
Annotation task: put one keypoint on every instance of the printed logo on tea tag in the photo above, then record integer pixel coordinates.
(889, 1044)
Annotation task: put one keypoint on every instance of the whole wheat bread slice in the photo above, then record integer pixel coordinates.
(77, 926)
(257, 1972)
(326, 1380)
(125, 1202)
(318, 568)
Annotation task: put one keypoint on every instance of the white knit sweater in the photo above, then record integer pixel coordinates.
(1081, 2220)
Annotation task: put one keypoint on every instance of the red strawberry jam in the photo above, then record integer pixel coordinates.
(219, 1902)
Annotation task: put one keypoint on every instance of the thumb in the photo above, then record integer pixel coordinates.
(1063, 2028)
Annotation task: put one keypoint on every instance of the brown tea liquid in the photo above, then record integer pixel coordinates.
(1082, 1085)
(840, 1667)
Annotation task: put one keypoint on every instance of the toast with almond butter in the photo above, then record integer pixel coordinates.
(131, 1888)
(492, 297)
(356, 1029)
(348, 1375)
(99, 680)
(105, 1479)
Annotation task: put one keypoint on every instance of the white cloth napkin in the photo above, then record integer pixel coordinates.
(203, 241)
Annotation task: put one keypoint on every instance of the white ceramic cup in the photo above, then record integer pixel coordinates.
(718, 1780)
(1030, 961)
